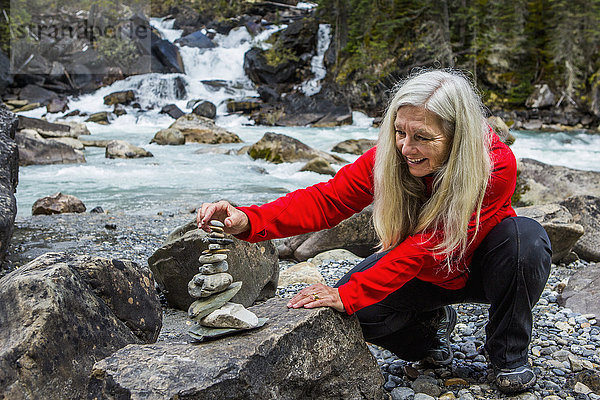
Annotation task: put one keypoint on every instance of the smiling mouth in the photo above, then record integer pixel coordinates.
(415, 161)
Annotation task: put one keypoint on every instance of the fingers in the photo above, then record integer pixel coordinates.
(209, 211)
(235, 221)
(317, 296)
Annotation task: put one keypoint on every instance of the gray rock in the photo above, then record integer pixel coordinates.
(206, 285)
(168, 136)
(544, 183)
(202, 307)
(278, 148)
(355, 234)
(201, 333)
(57, 203)
(559, 225)
(586, 212)
(77, 128)
(205, 109)
(426, 384)
(35, 150)
(45, 128)
(123, 149)
(74, 143)
(102, 118)
(402, 393)
(354, 146)
(207, 269)
(320, 166)
(318, 353)
(211, 258)
(61, 313)
(197, 129)
(176, 262)
(231, 315)
(9, 176)
(582, 293)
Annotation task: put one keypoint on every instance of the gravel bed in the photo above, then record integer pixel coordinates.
(564, 350)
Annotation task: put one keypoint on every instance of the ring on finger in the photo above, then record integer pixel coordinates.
(315, 296)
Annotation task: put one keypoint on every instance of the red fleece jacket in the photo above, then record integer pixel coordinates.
(325, 204)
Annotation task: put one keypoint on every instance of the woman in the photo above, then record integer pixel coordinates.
(441, 183)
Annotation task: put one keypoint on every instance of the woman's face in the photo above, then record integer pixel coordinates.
(421, 140)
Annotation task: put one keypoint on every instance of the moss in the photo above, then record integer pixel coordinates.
(520, 189)
(278, 55)
(265, 154)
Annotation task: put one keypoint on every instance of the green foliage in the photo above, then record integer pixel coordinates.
(507, 46)
(279, 54)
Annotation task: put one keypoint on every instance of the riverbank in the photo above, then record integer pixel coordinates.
(564, 346)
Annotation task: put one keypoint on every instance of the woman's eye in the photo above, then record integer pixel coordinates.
(401, 133)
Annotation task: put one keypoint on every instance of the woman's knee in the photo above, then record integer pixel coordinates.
(535, 251)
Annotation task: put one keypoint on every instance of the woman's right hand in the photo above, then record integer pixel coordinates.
(235, 221)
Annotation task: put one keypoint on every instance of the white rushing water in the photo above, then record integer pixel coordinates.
(182, 177)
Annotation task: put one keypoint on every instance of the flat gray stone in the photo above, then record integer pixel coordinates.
(202, 333)
(211, 258)
(208, 269)
(207, 285)
(231, 315)
(202, 307)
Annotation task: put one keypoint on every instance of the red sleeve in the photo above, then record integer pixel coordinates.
(316, 207)
(413, 257)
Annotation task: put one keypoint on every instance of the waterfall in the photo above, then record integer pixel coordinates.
(313, 86)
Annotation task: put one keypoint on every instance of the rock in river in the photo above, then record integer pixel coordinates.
(57, 203)
(123, 149)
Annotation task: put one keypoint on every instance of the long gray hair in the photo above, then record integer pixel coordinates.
(400, 206)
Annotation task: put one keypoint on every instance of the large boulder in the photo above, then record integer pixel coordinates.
(317, 111)
(48, 129)
(60, 314)
(176, 263)
(169, 56)
(57, 203)
(9, 176)
(197, 129)
(558, 223)
(355, 234)
(260, 71)
(582, 293)
(278, 148)
(35, 150)
(298, 354)
(205, 109)
(123, 149)
(354, 146)
(586, 212)
(320, 166)
(543, 183)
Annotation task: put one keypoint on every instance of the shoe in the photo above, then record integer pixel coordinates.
(513, 380)
(441, 352)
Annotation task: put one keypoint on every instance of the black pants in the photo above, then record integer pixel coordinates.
(509, 271)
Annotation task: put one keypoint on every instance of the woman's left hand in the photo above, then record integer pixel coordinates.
(317, 295)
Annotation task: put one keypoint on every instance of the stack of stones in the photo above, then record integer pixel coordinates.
(214, 287)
